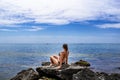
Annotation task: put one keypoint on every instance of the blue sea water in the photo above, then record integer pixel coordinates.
(16, 57)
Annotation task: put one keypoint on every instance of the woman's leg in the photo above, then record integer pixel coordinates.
(54, 61)
(51, 60)
(56, 57)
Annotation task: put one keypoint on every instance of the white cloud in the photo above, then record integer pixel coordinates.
(34, 28)
(57, 12)
(115, 25)
(8, 30)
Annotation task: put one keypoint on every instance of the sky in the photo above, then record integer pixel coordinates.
(59, 21)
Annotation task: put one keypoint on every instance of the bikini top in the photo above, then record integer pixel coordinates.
(59, 53)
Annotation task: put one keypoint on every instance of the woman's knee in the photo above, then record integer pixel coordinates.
(51, 57)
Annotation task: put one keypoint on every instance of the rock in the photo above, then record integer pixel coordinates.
(28, 74)
(65, 73)
(46, 78)
(77, 71)
(87, 74)
(82, 63)
(118, 68)
(45, 63)
(102, 76)
(84, 74)
(114, 76)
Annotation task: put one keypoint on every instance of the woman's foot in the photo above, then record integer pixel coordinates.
(51, 65)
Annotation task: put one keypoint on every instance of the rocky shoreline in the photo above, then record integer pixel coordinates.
(76, 71)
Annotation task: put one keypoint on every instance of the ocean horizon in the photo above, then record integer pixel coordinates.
(14, 57)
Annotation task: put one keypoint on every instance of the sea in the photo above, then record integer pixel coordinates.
(14, 57)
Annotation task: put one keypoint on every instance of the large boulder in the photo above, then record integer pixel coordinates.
(65, 73)
(28, 74)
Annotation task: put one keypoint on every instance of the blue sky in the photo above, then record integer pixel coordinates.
(43, 21)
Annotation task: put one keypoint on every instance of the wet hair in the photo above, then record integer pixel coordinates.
(65, 46)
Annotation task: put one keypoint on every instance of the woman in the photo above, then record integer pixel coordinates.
(61, 58)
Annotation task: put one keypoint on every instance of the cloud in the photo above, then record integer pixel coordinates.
(34, 28)
(8, 30)
(57, 12)
(112, 25)
(16, 29)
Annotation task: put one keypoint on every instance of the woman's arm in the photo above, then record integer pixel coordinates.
(67, 58)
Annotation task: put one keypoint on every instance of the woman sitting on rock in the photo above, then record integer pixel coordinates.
(62, 58)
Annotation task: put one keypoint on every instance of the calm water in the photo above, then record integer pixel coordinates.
(15, 57)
